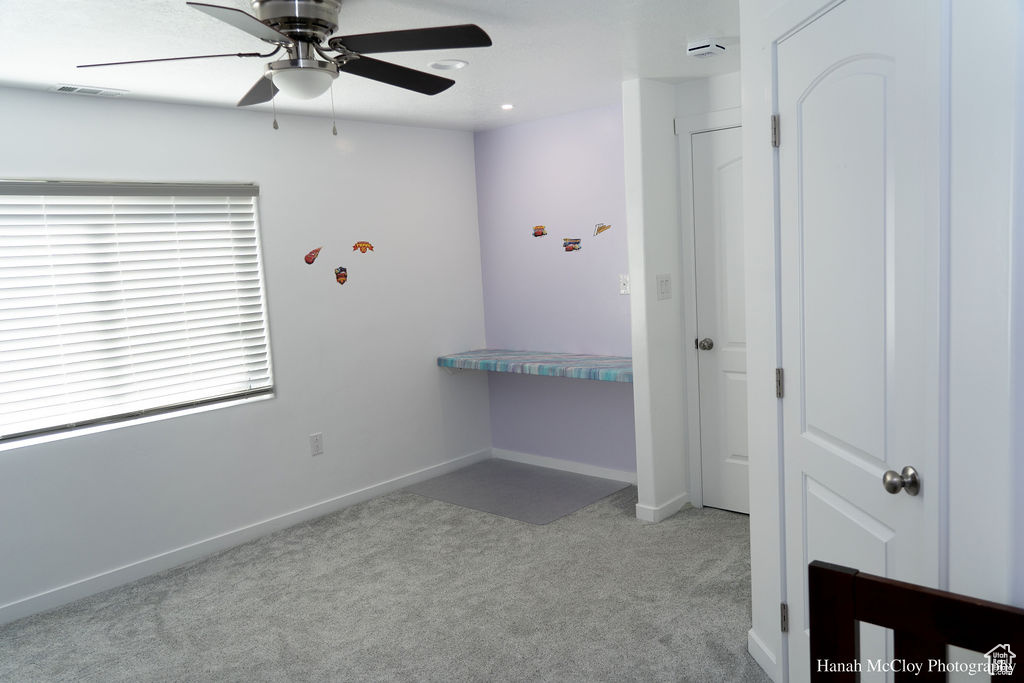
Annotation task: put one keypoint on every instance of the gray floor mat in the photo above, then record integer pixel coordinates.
(538, 495)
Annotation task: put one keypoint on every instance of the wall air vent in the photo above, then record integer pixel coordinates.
(88, 90)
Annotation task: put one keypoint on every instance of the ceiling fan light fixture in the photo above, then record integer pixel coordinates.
(304, 80)
(449, 64)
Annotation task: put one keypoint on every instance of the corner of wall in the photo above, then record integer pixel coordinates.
(652, 213)
(767, 584)
(351, 363)
(764, 657)
(984, 117)
(1017, 324)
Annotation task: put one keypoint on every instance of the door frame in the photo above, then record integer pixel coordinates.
(686, 127)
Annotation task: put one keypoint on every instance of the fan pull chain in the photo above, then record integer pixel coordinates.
(274, 105)
(334, 114)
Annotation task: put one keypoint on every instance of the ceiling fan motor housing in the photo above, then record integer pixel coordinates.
(302, 20)
(301, 29)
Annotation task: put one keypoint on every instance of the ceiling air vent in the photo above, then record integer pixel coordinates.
(88, 90)
(704, 48)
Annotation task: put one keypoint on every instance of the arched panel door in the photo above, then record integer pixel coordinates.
(860, 238)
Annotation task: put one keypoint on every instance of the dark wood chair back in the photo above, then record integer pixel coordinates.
(924, 621)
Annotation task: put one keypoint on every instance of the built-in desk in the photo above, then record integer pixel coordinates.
(571, 365)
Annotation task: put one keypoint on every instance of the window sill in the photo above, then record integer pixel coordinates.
(130, 422)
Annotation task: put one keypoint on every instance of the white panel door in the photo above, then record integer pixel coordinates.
(717, 162)
(859, 105)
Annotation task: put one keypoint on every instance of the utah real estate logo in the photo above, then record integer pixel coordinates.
(1000, 660)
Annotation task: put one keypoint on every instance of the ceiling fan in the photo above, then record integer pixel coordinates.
(312, 62)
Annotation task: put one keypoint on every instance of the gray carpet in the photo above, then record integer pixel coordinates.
(405, 588)
(538, 495)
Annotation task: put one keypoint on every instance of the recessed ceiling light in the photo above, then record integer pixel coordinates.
(506, 107)
(448, 64)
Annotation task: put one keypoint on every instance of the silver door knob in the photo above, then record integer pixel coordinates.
(907, 480)
(706, 344)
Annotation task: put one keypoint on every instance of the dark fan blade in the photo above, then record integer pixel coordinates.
(243, 21)
(440, 38)
(176, 59)
(263, 91)
(393, 74)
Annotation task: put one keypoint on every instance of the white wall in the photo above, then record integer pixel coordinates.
(655, 247)
(703, 95)
(652, 216)
(1017, 327)
(357, 362)
(982, 531)
(767, 588)
(981, 458)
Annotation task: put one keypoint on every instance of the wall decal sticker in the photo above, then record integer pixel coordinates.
(362, 247)
(571, 243)
(341, 275)
(311, 256)
(601, 227)
(539, 231)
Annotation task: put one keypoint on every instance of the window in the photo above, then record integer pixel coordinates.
(122, 300)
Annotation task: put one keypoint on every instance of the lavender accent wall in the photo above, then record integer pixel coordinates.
(569, 419)
(566, 173)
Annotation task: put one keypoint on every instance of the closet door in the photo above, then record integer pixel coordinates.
(717, 162)
(861, 237)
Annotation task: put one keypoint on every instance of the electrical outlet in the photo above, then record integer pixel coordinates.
(664, 288)
(316, 444)
(624, 284)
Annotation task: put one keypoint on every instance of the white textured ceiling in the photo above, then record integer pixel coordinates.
(549, 56)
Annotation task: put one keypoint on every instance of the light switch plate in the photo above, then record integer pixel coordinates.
(624, 284)
(664, 286)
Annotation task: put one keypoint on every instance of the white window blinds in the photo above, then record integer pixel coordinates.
(122, 300)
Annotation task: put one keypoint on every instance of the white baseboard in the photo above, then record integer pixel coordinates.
(663, 511)
(763, 656)
(565, 465)
(172, 558)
